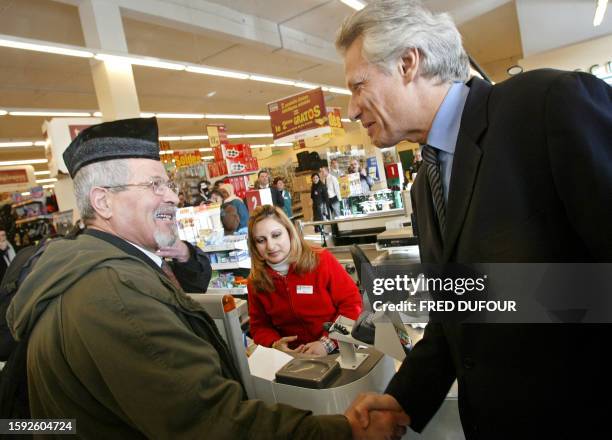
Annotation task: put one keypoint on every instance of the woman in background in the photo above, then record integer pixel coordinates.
(294, 288)
(283, 194)
(318, 194)
(241, 209)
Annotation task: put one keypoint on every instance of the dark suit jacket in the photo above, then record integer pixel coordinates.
(531, 182)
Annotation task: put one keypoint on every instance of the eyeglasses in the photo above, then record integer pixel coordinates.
(158, 186)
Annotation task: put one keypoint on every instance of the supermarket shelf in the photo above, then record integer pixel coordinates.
(228, 290)
(25, 202)
(242, 264)
(231, 246)
(31, 219)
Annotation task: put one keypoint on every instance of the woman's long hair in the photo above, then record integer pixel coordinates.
(302, 256)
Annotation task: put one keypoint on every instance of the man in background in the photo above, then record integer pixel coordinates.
(333, 191)
(334, 169)
(263, 180)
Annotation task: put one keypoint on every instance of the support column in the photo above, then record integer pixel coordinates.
(113, 81)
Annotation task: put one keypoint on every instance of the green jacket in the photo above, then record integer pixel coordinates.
(114, 345)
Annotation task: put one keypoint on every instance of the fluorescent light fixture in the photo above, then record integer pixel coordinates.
(196, 137)
(27, 44)
(48, 186)
(42, 173)
(257, 117)
(50, 113)
(208, 157)
(283, 144)
(340, 91)
(166, 152)
(223, 116)
(600, 11)
(260, 146)
(169, 138)
(99, 115)
(249, 135)
(3, 112)
(304, 85)
(23, 162)
(146, 115)
(40, 143)
(140, 61)
(25, 194)
(355, 4)
(16, 144)
(204, 150)
(51, 180)
(180, 115)
(216, 72)
(270, 79)
(346, 120)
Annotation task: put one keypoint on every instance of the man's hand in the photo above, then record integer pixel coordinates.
(283, 345)
(315, 348)
(387, 425)
(376, 411)
(178, 251)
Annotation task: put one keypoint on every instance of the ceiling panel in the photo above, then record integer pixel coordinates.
(274, 10)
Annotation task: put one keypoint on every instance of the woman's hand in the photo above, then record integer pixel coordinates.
(283, 344)
(315, 348)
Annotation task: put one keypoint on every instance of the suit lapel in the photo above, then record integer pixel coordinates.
(466, 161)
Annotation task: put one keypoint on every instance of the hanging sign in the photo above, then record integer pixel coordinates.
(335, 121)
(299, 116)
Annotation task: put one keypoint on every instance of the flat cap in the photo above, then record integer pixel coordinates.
(121, 139)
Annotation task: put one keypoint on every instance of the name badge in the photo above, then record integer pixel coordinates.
(304, 290)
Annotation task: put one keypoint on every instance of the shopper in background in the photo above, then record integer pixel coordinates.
(182, 203)
(7, 253)
(217, 196)
(263, 180)
(333, 191)
(241, 208)
(204, 193)
(294, 288)
(492, 193)
(318, 194)
(334, 169)
(284, 195)
(366, 181)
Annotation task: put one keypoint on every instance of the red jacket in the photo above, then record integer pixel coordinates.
(326, 292)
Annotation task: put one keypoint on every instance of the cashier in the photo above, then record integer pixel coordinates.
(294, 288)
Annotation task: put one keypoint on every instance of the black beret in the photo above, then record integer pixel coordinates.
(122, 139)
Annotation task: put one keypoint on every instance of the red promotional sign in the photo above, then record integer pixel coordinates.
(299, 116)
(8, 177)
(253, 199)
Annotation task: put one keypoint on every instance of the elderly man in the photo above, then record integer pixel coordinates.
(114, 342)
(520, 171)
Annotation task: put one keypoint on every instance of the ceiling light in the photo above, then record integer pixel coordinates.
(50, 113)
(514, 70)
(216, 72)
(23, 162)
(346, 120)
(208, 157)
(140, 61)
(40, 143)
(340, 91)
(257, 117)
(169, 138)
(22, 43)
(260, 146)
(304, 85)
(16, 144)
(147, 115)
(219, 116)
(211, 94)
(48, 186)
(3, 112)
(600, 11)
(270, 79)
(180, 115)
(251, 135)
(204, 150)
(99, 115)
(51, 180)
(166, 152)
(42, 173)
(25, 194)
(355, 4)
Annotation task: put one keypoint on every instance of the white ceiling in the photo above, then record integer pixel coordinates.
(285, 38)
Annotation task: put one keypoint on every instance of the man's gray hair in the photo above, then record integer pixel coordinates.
(390, 27)
(105, 173)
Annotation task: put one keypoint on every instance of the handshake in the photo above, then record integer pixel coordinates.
(377, 416)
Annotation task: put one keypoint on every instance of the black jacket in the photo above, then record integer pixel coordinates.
(531, 182)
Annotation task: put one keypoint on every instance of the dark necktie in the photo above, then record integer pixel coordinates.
(432, 167)
(165, 267)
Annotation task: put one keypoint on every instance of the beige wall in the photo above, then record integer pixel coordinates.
(577, 56)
